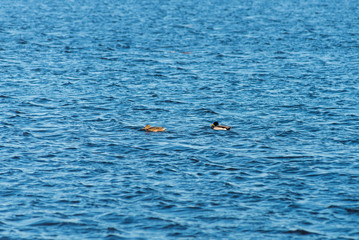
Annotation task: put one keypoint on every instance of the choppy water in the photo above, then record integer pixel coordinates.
(80, 78)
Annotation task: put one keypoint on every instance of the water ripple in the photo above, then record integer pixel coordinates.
(81, 79)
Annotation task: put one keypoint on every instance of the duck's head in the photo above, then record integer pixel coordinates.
(147, 127)
(214, 124)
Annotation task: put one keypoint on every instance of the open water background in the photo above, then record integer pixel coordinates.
(80, 78)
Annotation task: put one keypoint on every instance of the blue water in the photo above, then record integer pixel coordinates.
(79, 79)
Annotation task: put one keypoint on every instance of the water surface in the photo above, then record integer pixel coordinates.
(79, 79)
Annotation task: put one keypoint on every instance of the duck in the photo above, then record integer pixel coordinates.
(215, 126)
(148, 128)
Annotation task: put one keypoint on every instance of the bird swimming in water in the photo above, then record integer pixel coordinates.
(148, 128)
(215, 126)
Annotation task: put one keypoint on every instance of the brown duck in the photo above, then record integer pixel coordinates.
(148, 128)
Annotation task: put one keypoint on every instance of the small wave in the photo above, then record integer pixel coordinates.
(205, 110)
(348, 210)
(171, 101)
(45, 222)
(301, 232)
(290, 157)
